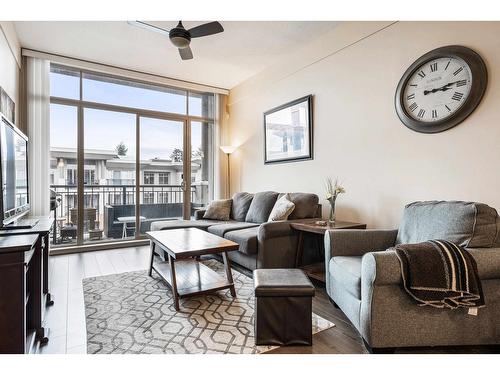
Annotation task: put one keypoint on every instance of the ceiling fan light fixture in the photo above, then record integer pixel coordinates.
(180, 37)
(180, 42)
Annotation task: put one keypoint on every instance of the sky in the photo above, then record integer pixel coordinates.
(106, 129)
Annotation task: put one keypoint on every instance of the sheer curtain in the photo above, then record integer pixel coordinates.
(221, 138)
(37, 102)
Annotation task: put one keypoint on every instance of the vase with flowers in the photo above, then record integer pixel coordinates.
(333, 190)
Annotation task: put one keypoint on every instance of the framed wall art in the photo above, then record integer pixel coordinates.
(288, 132)
(7, 106)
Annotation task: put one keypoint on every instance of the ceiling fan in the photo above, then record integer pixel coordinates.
(180, 37)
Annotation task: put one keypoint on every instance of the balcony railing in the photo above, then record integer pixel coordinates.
(105, 204)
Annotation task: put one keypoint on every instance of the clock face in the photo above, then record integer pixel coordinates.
(437, 89)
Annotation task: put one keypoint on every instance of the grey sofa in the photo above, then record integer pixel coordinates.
(262, 244)
(365, 281)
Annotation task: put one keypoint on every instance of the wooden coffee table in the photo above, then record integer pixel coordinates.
(184, 274)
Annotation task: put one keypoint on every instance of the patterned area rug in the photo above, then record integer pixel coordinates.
(133, 313)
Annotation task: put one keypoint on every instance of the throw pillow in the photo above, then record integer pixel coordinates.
(218, 210)
(306, 205)
(282, 209)
(261, 206)
(241, 204)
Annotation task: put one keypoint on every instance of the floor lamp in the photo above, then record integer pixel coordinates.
(228, 150)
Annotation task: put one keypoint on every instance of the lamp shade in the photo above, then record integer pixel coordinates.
(228, 149)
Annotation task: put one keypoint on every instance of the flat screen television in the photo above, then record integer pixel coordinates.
(13, 172)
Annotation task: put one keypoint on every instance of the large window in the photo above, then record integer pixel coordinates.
(64, 83)
(202, 149)
(109, 147)
(161, 150)
(110, 90)
(131, 154)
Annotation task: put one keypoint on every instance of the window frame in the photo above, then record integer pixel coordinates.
(121, 81)
(134, 110)
(186, 119)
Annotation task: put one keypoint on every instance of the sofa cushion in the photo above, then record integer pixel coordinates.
(222, 229)
(306, 205)
(246, 238)
(346, 270)
(261, 206)
(178, 224)
(282, 209)
(219, 210)
(467, 224)
(241, 204)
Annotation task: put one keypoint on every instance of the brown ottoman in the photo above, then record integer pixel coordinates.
(283, 307)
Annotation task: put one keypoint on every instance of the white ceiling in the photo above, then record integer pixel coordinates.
(223, 60)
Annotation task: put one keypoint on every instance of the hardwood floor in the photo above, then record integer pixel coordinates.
(66, 318)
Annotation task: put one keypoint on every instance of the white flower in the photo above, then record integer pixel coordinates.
(333, 189)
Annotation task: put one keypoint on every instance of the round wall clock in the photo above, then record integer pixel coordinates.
(440, 89)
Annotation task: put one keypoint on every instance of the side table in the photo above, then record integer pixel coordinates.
(316, 271)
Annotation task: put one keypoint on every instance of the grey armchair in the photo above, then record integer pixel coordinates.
(364, 280)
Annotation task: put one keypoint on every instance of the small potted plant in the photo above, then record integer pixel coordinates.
(333, 189)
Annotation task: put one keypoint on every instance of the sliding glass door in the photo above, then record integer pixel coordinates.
(108, 175)
(125, 154)
(202, 135)
(163, 188)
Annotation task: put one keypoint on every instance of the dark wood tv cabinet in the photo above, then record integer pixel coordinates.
(40, 262)
(42, 229)
(20, 294)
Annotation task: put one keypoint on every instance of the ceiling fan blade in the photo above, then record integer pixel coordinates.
(206, 29)
(186, 53)
(148, 26)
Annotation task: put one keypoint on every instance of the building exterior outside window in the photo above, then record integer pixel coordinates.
(163, 178)
(89, 177)
(149, 197)
(162, 197)
(71, 177)
(149, 178)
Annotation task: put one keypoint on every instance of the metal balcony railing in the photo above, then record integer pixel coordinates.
(100, 196)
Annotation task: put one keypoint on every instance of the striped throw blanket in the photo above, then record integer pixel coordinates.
(441, 274)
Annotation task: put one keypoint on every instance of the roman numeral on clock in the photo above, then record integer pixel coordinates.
(410, 97)
(457, 96)
(413, 106)
(421, 74)
(448, 108)
(462, 83)
(434, 67)
(458, 71)
(421, 113)
(434, 113)
(447, 65)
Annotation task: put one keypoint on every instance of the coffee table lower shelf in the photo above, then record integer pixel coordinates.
(192, 277)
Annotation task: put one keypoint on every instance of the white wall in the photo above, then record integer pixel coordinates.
(10, 62)
(353, 73)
